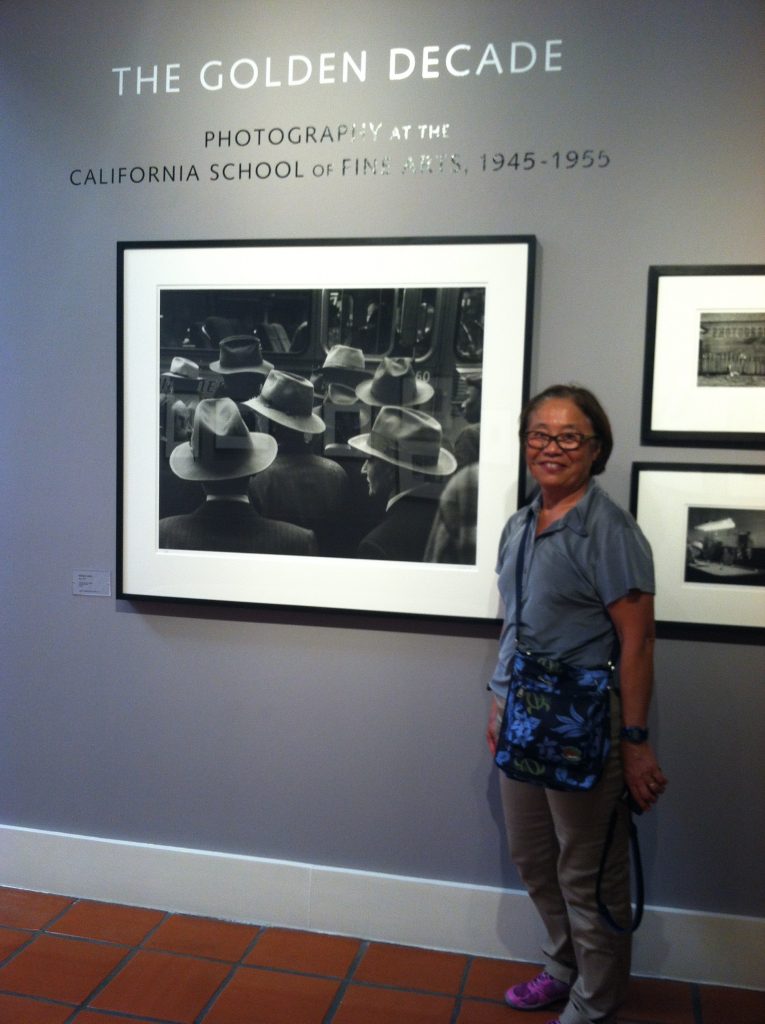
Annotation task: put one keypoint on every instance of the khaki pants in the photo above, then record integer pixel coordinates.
(556, 840)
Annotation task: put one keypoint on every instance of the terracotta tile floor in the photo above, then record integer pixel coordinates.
(64, 960)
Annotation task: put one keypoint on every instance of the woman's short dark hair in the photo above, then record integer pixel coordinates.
(588, 404)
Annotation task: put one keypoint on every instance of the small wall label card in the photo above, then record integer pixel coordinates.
(92, 583)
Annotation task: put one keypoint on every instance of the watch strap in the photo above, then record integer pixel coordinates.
(633, 734)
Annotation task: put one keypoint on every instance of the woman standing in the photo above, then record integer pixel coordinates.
(586, 598)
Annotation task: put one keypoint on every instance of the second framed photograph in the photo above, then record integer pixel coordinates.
(327, 424)
(706, 527)
(704, 375)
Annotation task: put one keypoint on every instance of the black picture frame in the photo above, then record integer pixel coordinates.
(501, 267)
(706, 527)
(705, 338)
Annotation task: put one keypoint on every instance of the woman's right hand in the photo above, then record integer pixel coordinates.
(496, 710)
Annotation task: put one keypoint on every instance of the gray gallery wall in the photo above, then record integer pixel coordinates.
(329, 739)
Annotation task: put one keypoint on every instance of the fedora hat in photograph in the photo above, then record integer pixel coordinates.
(394, 383)
(341, 371)
(408, 438)
(241, 353)
(341, 394)
(221, 447)
(344, 365)
(183, 369)
(287, 398)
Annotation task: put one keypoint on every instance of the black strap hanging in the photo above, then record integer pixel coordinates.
(627, 799)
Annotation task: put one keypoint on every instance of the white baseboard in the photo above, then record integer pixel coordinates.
(478, 920)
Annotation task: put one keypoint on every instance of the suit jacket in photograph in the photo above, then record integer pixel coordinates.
(403, 533)
(307, 490)
(233, 526)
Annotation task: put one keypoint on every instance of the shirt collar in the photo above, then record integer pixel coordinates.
(397, 497)
(575, 519)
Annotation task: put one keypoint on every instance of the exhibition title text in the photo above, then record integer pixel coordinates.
(460, 60)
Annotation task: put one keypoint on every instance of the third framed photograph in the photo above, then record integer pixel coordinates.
(704, 374)
(706, 526)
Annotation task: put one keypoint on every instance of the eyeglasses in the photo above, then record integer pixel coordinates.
(568, 441)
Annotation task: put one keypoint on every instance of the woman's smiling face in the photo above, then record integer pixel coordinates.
(561, 473)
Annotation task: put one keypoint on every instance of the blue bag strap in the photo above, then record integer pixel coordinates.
(519, 573)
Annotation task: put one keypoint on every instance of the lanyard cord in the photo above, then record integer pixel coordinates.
(519, 574)
(638, 869)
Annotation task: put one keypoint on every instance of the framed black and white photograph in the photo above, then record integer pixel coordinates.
(326, 424)
(706, 527)
(704, 375)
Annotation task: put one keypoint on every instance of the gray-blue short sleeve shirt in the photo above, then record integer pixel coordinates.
(572, 572)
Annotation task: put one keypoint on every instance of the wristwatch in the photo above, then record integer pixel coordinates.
(633, 734)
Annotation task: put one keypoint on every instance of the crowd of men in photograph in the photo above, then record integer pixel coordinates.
(344, 463)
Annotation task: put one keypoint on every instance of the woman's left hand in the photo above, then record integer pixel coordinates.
(645, 779)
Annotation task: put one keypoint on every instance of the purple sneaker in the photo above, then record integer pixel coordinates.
(544, 990)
